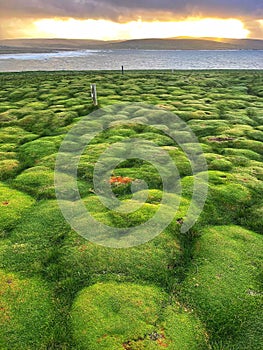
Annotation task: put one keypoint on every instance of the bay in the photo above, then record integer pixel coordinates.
(132, 60)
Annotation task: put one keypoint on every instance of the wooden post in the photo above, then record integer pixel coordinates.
(122, 70)
(94, 94)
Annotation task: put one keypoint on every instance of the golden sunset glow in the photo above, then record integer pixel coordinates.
(108, 30)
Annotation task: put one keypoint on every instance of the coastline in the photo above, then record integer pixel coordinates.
(58, 45)
(15, 51)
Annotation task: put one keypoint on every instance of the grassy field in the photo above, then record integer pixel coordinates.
(194, 291)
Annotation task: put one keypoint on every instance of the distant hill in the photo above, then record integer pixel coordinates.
(190, 44)
(50, 45)
(47, 45)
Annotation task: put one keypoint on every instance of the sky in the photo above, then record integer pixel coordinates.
(128, 19)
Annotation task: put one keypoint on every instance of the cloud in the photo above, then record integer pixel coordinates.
(127, 10)
(255, 28)
(117, 9)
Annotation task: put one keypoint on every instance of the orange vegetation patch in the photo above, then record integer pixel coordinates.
(158, 338)
(162, 343)
(119, 180)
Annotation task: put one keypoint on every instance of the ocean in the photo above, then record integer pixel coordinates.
(132, 60)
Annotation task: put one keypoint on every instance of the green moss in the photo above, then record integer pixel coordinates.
(13, 205)
(48, 161)
(120, 131)
(37, 105)
(116, 316)
(34, 243)
(8, 147)
(5, 107)
(134, 264)
(137, 217)
(8, 168)
(255, 135)
(7, 118)
(244, 153)
(94, 205)
(210, 127)
(183, 329)
(220, 164)
(256, 170)
(17, 94)
(13, 134)
(145, 172)
(253, 218)
(7, 155)
(226, 203)
(37, 181)
(235, 103)
(237, 117)
(217, 177)
(239, 130)
(31, 152)
(224, 109)
(105, 263)
(27, 313)
(224, 286)
(251, 145)
(43, 122)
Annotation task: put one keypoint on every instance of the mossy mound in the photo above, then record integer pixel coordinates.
(207, 127)
(7, 155)
(137, 263)
(133, 264)
(8, 168)
(34, 244)
(13, 205)
(224, 285)
(48, 161)
(26, 313)
(218, 162)
(7, 147)
(253, 219)
(243, 153)
(37, 181)
(130, 316)
(7, 118)
(252, 145)
(43, 122)
(144, 171)
(15, 135)
(31, 152)
(226, 203)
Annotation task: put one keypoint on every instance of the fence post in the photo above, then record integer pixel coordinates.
(94, 94)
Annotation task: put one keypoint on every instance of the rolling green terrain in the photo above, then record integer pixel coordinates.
(195, 291)
(47, 45)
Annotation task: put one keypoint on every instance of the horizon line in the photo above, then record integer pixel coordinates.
(128, 39)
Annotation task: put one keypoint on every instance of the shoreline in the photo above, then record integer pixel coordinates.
(18, 51)
(135, 71)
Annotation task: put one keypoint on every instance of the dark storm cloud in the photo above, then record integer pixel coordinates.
(14, 12)
(117, 9)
